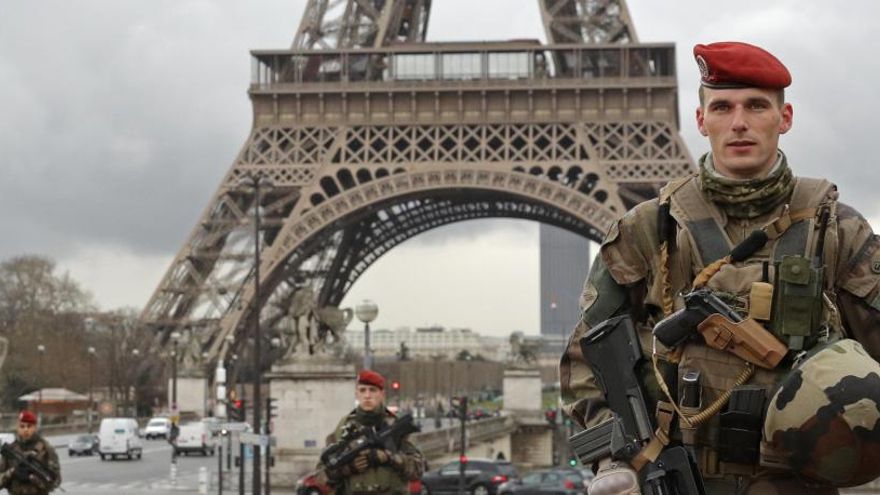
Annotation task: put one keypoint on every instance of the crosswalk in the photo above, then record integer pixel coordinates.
(152, 486)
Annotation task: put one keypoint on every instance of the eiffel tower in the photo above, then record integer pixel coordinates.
(370, 135)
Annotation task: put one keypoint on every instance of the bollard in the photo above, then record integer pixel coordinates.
(203, 480)
(173, 473)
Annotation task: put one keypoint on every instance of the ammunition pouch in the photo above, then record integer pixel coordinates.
(797, 305)
(740, 426)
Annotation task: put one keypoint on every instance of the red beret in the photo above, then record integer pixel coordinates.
(27, 417)
(368, 377)
(731, 64)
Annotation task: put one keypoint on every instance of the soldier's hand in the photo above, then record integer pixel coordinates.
(362, 462)
(38, 482)
(615, 478)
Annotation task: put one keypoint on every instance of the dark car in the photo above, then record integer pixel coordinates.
(481, 477)
(310, 485)
(83, 445)
(546, 482)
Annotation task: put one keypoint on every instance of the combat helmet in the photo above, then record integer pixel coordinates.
(823, 421)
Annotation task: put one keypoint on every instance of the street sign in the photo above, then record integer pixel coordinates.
(254, 439)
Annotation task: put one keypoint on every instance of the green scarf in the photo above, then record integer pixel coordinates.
(370, 418)
(747, 198)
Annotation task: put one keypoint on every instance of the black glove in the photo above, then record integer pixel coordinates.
(22, 473)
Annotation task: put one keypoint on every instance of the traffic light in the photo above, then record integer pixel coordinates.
(572, 461)
(460, 406)
(237, 410)
(271, 407)
(395, 385)
(550, 416)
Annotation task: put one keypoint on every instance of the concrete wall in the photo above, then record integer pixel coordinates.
(532, 446)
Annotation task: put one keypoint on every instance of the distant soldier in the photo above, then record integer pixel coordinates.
(14, 477)
(374, 470)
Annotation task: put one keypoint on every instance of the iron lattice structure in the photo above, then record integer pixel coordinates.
(371, 136)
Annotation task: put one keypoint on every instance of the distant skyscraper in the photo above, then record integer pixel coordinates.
(565, 261)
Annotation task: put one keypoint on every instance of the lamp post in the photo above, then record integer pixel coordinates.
(133, 382)
(91, 352)
(175, 338)
(41, 349)
(366, 312)
(257, 181)
(172, 435)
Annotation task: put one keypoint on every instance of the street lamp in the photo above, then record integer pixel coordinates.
(133, 382)
(91, 352)
(367, 311)
(257, 181)
(41, 349)
(175, 338)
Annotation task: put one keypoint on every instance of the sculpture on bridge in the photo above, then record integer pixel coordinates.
(523, 350)
(192, 345)
(311, 330)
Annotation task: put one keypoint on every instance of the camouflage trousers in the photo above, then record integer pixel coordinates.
(742, 485)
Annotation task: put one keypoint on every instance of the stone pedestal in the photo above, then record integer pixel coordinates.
(522, 391)
(312, 396)
(192, 394)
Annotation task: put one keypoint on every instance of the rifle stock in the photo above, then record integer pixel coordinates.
(613, 350)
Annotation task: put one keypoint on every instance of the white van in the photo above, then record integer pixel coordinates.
(195, 437)
(158, 428)
(118, 437)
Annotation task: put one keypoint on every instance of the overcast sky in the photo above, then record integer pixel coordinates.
(119, 118)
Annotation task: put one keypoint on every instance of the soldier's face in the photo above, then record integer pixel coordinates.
(743, 126)
(26, 430)
(369, 398)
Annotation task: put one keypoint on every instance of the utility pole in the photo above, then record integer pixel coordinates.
(462, 456)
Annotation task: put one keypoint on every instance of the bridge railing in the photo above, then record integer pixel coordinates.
(448, 439)
(433, 62)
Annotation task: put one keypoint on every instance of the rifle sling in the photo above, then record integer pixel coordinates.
(650, 452)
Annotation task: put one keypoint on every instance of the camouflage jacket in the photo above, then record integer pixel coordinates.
(626, 276)
(380, 479)
(43, 453)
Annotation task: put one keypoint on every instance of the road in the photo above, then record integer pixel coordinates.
(151, 474)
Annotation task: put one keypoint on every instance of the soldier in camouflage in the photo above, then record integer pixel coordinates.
(821, 262)
(374, 471)
(31, 444)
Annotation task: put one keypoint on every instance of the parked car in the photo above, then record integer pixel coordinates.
(588, 476)
(158, 428)
(309, 485)
(83, 445)
(546, 482)
(119, 437)
(195, 437)
(481, 477)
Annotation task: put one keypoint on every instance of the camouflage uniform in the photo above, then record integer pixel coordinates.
(709, 214)
(389, 478)
(43, 453)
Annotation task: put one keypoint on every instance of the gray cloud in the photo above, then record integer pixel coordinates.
(118, 119)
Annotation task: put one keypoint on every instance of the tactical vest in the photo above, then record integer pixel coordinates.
(37, 445)
(381, 479)
(801, 310)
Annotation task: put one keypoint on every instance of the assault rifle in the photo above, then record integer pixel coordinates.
(27, 466)
(615, 356)
(358, 439)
